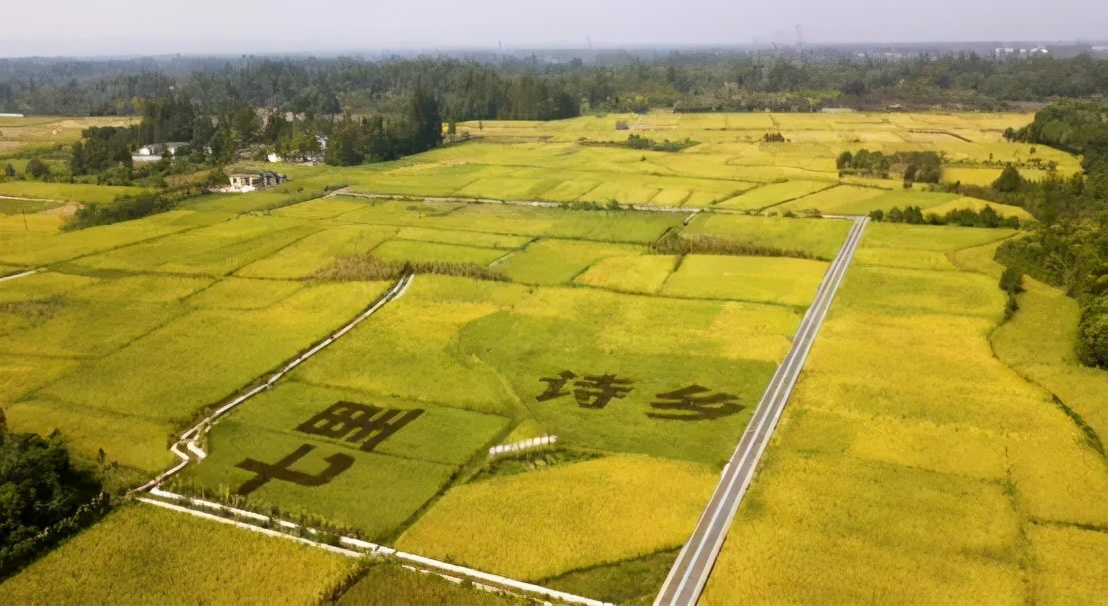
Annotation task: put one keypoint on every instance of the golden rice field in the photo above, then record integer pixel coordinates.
(730, 168)
(28, 134)
(1038, 343)
(140, 554)
(565, 518)
(175, 313)
(914, 466)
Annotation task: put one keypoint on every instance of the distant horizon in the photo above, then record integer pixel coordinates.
(129, 28)
(951, 46)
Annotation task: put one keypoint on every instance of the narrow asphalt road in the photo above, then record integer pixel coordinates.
(690, 572)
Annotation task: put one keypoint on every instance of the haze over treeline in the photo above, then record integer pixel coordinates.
(130, 27)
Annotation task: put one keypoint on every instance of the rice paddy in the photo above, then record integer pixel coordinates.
(143, 554)
(911, 465)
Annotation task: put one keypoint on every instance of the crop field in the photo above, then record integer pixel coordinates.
(388, 584)
(604, 501)
(820, 239)
(730, 167)
(638, 274)
(880, 486)
(1048, 358)
(536, 355)
(641, 339)
(550, 261)
(175, 313)
(65, 192)
(773, 194)
(29, 134)
(143, 554)
(762, 279)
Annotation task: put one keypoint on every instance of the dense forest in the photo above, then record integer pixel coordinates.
(1069, 246)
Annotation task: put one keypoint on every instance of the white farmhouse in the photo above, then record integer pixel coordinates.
(248, 182)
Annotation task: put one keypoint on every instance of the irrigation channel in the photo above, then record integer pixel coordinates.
(690, 572)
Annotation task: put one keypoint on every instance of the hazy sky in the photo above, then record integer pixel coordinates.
(112, 27)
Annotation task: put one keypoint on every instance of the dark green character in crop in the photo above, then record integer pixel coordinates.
(358, 423)
(596, 391)
(692, 400)
(281, 470)
(555, 386)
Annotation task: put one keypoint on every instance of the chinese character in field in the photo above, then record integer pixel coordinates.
(596, 391)
(694, 401)
(555, 386)
(358, 423)
(336, 464)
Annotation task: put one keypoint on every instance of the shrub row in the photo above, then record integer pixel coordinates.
(366, 267)
(986, 217)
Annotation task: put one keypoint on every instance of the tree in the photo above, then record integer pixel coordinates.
(1011, 281)
(913, 215)
(9, 170)
(37, 168)
(1009, 180)
(426, 122)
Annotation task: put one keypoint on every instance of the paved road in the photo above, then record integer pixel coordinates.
(690, 572)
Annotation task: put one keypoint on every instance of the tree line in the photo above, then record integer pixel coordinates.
(525, 88)
(963, 217)
(1068, 248)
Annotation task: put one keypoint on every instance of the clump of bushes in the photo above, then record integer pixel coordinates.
(673, 243)
(922, 167)
(365, 267)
